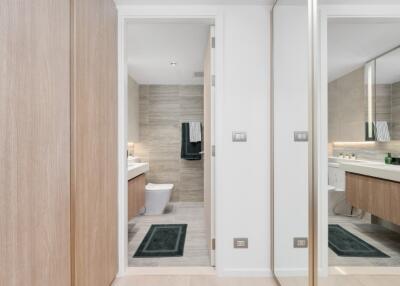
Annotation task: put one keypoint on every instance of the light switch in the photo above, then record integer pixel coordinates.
(300, 242)
(300, 136)
(242, 242)
(239, 136)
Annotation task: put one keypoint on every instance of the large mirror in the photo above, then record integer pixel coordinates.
(387, 76)
(364, 80)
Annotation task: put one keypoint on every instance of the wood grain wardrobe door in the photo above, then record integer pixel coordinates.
(35, 143)
(94, 142)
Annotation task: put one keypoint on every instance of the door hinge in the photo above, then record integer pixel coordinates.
(213, 42)
(213, 244)
(213, 80)
(213, 150)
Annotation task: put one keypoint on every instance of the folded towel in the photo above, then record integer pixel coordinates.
(195, 131)
(382, 131)
(189, 150)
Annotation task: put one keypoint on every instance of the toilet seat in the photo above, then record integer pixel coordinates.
(159, 187)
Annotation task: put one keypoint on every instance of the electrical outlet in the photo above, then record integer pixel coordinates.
(300, 242)
(242, 242)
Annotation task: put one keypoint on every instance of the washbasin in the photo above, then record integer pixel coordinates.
(136, 169)
(373, 169)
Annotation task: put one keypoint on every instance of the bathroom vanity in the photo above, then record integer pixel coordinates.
(136, 188)
(375, 188)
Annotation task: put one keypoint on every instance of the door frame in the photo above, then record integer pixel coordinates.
(130, 12)
(326, 13)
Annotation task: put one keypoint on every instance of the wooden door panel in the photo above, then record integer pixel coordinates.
(94, 137)
(34, 143)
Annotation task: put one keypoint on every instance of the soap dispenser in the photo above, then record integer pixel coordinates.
(388, 158)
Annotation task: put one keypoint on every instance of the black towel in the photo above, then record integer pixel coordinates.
(189, 150)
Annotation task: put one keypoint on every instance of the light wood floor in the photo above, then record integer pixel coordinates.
(191, 280)
(345, 280)
(212, 280)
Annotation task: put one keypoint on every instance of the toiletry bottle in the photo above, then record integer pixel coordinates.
(388, 158)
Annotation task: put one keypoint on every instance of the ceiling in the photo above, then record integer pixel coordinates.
(152, 46)
(352, 42)
(388, 68)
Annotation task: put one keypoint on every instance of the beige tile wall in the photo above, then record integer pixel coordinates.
(373, 152)
(396, 111)
(384, 102)
(346, 116)
(162, 110)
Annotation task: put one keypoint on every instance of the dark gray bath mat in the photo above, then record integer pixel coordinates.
(163, 240)
(344, 243)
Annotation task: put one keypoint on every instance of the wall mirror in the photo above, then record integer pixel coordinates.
(387, 79)
(364, 80)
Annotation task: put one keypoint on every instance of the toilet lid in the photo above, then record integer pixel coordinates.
(159, 187)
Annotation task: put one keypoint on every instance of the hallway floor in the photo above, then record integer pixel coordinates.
(212, 280)
(192, 280)
(196, 248)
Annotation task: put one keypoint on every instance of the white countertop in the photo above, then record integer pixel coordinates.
(372, 169)
(136, 169)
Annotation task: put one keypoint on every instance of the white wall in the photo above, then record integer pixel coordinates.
(133, 110)
(291, 97)
(241, 103)
(242, 169)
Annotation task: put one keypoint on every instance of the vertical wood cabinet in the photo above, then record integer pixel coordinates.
(94, 142)
(58, 143)
(136, 194)
(34, 143)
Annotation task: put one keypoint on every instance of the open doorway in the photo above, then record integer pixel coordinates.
(169, 87)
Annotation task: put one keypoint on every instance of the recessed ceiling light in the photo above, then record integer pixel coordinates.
(173, 64)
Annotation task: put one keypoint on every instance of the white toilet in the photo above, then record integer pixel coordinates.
(157, 197)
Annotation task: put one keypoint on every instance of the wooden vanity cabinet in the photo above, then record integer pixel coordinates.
(136, 188)
(377, 196)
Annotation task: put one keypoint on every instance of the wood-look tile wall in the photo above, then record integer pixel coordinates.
(396, 111)
(346, 109)
(373, 152)
(162, 110)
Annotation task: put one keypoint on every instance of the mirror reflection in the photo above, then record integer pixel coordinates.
(388, 96)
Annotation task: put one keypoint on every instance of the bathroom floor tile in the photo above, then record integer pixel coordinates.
(196, 248)
(383, 239)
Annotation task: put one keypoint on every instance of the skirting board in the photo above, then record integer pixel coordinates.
(291, 272)
(245, 272)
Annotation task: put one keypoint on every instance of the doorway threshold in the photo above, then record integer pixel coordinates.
(364, 270)
(179, 270)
